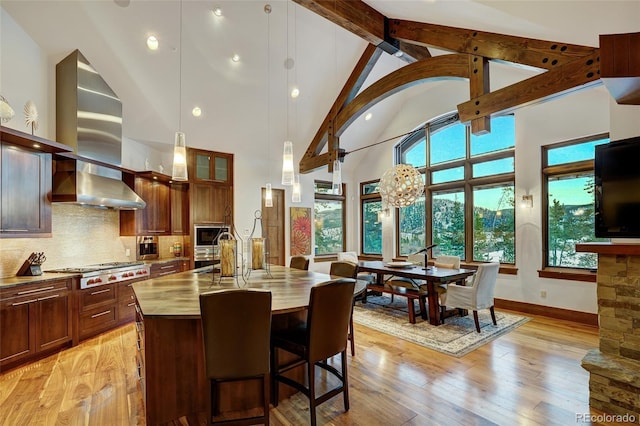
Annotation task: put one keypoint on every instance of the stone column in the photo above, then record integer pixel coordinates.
(614, 383)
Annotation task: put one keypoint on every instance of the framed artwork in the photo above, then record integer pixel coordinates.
(300, 231)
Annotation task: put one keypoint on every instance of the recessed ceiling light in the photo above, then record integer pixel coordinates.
(368, 116)
(196, 111)
(152, 42)
(235, 57)
(295, 92)
(217, 11)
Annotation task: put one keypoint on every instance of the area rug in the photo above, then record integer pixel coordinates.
(456, 337)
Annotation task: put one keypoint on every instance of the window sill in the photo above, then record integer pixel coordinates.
(568, 274)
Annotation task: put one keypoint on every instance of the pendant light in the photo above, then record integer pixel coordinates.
(179, 170)
(287, 152)
(296, 194)
(268, 195)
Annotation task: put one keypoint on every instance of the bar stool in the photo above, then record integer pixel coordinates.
(236, 325)
(322, 336)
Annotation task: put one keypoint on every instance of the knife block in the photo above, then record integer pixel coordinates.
(29, 269)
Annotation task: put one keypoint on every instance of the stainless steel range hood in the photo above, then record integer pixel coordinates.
(86, 184)
(89, 119)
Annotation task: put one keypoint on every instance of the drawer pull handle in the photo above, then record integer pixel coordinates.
(35, 290)
(101, 291)
(48, 297)
(24, 303)
(100, 314)
(130, 304)
(167, 266)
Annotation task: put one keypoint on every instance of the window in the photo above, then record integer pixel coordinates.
(371, 216)
(329, 215)
(568, 210)
(468, 207)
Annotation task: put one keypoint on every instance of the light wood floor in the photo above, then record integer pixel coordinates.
(531, 376)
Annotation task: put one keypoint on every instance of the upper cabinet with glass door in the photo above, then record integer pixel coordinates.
(210, 166)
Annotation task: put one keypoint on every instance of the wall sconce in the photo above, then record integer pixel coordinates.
(527, 201)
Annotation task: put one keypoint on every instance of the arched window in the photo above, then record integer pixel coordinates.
(468, 206)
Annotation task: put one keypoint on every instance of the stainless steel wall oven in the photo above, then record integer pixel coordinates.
(205, 243)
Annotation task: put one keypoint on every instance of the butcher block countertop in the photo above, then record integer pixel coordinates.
(177, 296)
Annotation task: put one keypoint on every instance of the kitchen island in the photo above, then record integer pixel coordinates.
(171, 356)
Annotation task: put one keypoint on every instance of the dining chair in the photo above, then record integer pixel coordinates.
(348, 270)
(299, 262)
(323, 335)
(449, 262)
(477, 295)
(236, 327)
(352, 256)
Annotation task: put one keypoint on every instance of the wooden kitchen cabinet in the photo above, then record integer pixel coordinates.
(165, 268)
(210, 166)
(154, 218)
(209, 203)
(166, 212)
(25, 209)
(25, 183)
(35, 319)
(179, 195)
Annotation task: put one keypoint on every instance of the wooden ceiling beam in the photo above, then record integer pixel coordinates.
(479, 86)
(520, 50)
(572, 76)
(438, 67)
(354, 16)
(354, 83)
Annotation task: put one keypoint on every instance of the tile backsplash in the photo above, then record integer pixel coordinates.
(80, 236)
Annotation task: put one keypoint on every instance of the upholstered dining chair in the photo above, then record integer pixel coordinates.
(352, 256)
(478, 295)
(299, 262)
(348, 270)
(236, 328)
(323, 335)
(450, 262)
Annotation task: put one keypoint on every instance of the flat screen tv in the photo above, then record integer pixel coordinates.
(617, 189)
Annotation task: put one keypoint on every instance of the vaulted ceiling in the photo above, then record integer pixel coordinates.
(243, 100)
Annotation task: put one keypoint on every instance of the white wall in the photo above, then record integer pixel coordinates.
(23, 76)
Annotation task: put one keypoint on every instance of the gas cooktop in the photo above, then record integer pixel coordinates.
(108, 273)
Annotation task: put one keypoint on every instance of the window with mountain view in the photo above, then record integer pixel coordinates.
(370, 212)
(569, 201)
(469, 192)
(329, 217)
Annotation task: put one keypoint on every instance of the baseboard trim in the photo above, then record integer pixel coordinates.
(548, 311)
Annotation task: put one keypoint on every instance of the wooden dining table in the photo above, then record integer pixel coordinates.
(169, 332)
(431, 275)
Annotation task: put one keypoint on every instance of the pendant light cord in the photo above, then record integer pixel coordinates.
(180, 76)
(384, 141)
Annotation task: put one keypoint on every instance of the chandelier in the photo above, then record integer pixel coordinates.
(401, 185)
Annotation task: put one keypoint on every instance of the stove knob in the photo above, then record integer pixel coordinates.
(112, 277)
(97, 280)
(90, 281)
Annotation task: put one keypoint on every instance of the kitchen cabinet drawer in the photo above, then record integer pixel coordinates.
(126, 311)
(91, 297)
(97, 320)
(165, 268)
(35, 288)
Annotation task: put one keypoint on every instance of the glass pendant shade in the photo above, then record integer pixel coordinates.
(296, 194)
(336, 181)
(179, 171)
(268, 197)
(287, 163)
